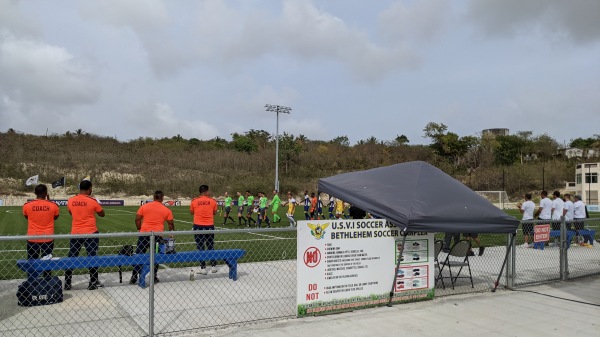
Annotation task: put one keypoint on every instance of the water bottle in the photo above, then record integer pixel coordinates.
(191, 274)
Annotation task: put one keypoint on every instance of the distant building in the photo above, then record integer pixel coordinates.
(574, 152)
(496, 132)
(586, 182)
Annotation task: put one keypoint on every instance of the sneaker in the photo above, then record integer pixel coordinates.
(481, 249)
(67, 286)
(471, 253)
(156, 280)
(202, 271)
(47, 257)
(525, 245)
(214, 269)
(133, 280)
(94, 286)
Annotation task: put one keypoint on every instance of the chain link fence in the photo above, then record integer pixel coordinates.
(184, 298)
(568, 253)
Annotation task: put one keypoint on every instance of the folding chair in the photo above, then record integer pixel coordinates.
(458, 257)
(438, 245)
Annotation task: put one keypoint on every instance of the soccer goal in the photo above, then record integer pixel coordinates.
(498, 198)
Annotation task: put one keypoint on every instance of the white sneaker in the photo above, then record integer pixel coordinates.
(525, 245)
(214, 270)
(202, 271)
(47, 257)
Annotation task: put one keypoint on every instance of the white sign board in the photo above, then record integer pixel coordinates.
(349, 264)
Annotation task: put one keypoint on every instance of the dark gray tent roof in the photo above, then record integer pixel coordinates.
(421, 197)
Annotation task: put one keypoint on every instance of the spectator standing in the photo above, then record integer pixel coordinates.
(544, 212)
(83, 209)
(579, 214)
(448, 237)
(40, 214)
(558, 206)
(568, 209)
(204, 209)
(527, 208)
(151, 217)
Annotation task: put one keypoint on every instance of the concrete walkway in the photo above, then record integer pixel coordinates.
(504, 313)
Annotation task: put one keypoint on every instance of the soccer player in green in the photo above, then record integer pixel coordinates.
(241, 201)
(250, 209)
(275, 206)
(228, 201)
(262, 210)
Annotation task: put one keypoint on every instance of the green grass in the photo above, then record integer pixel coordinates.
(260, 247)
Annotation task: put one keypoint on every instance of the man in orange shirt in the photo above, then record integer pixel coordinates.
(154, 214)
(40, 214)
(83, 208)
(204, 208)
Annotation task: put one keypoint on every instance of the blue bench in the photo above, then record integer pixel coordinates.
(588, 237)
(34, 268)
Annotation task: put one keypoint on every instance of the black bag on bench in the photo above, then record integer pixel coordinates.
(126, 250)
(40, 291)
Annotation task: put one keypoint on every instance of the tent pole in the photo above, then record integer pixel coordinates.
(508, 248)
(403, 234)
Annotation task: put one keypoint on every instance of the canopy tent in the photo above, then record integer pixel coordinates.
(419, 197)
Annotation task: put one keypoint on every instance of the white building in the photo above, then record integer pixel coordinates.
(586, 182)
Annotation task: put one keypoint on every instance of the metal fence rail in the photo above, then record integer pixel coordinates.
(184, 300)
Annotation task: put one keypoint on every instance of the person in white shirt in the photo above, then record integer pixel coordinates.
(526, 208)
(558, 206)
(544, 212)
(568, 209)
(578, 214)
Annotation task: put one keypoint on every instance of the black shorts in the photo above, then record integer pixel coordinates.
(227, 209)
(578, 224)
(527, 228)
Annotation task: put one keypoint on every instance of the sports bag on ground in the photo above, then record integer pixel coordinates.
(40, 291)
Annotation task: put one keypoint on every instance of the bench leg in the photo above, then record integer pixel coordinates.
(142, 277)
(232, 264)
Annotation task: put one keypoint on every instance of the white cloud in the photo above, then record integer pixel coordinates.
(157, 120)
(575, 19)
(34, 72)
(12, 20)
(416, 22)
(215, 33)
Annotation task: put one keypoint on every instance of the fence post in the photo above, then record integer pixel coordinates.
(564, 269)
(151, 288)
(510, 267)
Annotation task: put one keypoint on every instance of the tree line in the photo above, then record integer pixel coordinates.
(517, 163)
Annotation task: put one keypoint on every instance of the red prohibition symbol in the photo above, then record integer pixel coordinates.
(312, 257)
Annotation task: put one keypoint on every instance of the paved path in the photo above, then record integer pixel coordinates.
(504, 313)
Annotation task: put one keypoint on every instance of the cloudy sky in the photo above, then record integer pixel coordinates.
(150, 68)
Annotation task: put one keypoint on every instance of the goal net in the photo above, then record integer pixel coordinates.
(498, 198)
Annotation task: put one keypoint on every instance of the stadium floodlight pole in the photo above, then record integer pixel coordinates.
(277, 109)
